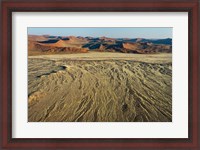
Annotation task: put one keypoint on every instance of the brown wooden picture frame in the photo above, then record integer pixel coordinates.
(9, 6)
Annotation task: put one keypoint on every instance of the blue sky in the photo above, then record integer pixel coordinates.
(134, 32)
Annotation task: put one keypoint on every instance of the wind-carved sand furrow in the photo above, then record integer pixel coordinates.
(87, 104)
(140, 103)
(164, 114)
(83, 101)
(149, 89)
(49, 110)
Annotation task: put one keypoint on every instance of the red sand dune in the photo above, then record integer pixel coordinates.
(78, 44)
(55, 46)
(131, 46)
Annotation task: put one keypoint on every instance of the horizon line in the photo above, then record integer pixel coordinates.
(98, 36)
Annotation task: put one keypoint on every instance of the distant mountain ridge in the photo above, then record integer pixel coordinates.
(78, 44)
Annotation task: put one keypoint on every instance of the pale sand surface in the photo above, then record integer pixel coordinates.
(100, 87)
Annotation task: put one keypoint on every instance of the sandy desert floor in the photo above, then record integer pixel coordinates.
(100, 87)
